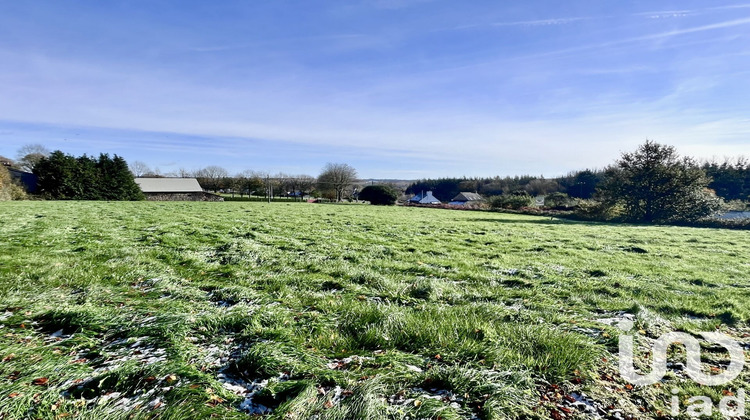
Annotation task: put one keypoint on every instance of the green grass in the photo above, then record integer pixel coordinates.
(122, 310)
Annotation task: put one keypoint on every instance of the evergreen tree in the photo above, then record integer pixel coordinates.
(65, 177)
(55, 175)
(655, 185)
(125, 187)
(383, 195)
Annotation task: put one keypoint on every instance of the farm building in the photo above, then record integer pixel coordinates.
(174, 189)
(26, 179)
(424, 198)
(466, 197)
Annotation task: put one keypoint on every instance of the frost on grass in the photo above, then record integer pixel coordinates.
(251, 391)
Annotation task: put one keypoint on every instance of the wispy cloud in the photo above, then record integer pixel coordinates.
(695, 29)
(381, 88)
(542, 22)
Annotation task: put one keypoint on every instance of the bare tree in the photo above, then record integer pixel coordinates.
(139, 169)
(211, 177)
(153, 173)
(253, 182)
(29, 156)
(541, 186)
(281, 183)
(337, 177)
(303, 185)
(184, 173)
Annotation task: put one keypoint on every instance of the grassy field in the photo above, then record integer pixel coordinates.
(297, 311)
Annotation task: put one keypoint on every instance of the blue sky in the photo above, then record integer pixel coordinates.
(397, 88)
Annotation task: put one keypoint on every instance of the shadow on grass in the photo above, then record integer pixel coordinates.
(541, 220)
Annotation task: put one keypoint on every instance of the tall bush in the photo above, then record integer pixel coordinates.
(655, 185)
(8, 189)
(510, 201)
(65, 177)
(383, 195)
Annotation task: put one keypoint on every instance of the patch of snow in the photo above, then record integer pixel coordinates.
(250, 391)
(616, 319)
(414, 368)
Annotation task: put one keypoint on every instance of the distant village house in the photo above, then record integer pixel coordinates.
(464, 198)
(424, 198)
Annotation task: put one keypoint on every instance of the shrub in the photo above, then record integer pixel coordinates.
(558, 200)
(513, 201)
(382, 195)
(8, 189)
(17, 192)
(4, 184)
(596, 210)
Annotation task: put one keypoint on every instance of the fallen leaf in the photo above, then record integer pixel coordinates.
(328, 404)
(14, 395)
(555, 415)
(40, 381)
(9, 357)
(214, 400)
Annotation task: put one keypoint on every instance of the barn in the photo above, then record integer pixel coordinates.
(28, 180)
(174, 189)
(465, 198)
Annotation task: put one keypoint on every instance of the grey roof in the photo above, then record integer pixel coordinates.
(428, 198)
(416, 198)
(467, 196)
(168, 185)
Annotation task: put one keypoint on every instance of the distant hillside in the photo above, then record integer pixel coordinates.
(398, 183)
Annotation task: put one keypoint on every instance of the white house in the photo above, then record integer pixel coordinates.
(424, 198)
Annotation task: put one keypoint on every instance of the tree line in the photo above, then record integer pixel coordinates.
(336, 181)
(62, 176)
(652, 184)
(730, 180)
(66, 177)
